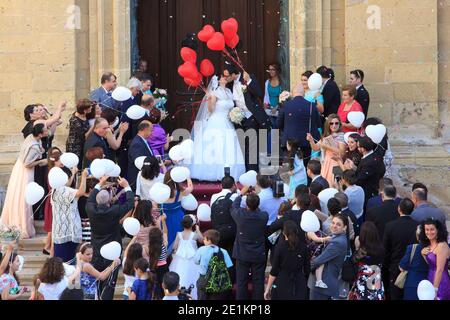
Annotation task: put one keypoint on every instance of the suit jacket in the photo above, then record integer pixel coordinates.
(382, 215)
(249, 245)
(101, 96)
(331, 97)
(362, 96)
(322, 181)
(370, 170)
(377, 201)
(295, 117)
(332, 256)
(138, 148)
(417, 269)
(96, 141)
(105, 225)
(398, 234)
(424, 211)
(292, 215)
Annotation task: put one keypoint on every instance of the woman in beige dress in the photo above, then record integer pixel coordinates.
(16, 212)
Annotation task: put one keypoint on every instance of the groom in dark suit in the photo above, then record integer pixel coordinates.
(248, 96)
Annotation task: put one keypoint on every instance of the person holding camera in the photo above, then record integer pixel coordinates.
(171, 286)
(269, 201)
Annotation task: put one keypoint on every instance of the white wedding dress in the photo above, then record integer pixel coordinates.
(216, 144)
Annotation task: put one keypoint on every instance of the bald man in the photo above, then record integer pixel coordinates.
(98, 139)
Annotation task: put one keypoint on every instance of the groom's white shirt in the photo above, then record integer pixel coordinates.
(239, 98)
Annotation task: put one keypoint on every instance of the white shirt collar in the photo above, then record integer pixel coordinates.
(238, 79)
(105, 89)
(359, 86)
(368, 154)
(315, 178)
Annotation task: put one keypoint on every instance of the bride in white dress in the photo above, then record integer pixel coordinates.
(216, 143)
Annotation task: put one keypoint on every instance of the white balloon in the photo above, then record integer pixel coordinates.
(136, 112)
(33, 193)
(139, 162)
(356, 118)
(189, 203)
(21, 262)
(69, 160)
(187, 149)
(109, 166)
(425, 290)
(98, 168)
(131, 226)
(160, 193)
(204, 212)
(248, 179)
(347, 135)
(115, 173)
(111, 251)
(68, 269)
(376, 133)
(310, 222)
(57, 178)
(315, 82)
(176, 153)
(121, 94)
(324, 196)
(180, 174)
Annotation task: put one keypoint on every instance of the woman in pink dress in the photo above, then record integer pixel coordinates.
(16, 212)
(332, 145)
(349, 104)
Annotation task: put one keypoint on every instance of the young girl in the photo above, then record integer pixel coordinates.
(143, 285)
(9, 282)
(157, 253)
(90, 275)
(132, 254)
(297, 171)
(185, 247)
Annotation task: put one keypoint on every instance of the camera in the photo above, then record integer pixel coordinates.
(278, 189)
(113, 180)
(227, 171)
(337, 172)
(185, 293)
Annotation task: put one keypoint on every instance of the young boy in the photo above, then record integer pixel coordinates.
(171, 286)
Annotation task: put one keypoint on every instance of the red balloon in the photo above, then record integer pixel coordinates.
(233, 42)
(187, 70)
(188, 55)
(229, 29)
(206, 33)
(234, 22)
(206, 68)
(217, 42)
(192, 82)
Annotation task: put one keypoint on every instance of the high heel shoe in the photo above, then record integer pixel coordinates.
(45, 252)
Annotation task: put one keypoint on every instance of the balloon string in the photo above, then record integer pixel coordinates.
(233, 59)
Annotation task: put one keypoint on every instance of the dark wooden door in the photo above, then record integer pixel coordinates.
(162, 25)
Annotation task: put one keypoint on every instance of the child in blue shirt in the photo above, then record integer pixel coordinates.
(143, 286)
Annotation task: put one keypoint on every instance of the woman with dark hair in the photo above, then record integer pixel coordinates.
(436, 252)
(95, 113)
(272, 92)
(79, 129)
(349, 104)
(290, 267)
(352, 157)
(116, 131)
(16, 212)
(172, 207)
(148, 176)
(312, 96)
(159, 141)
(132, 253)
(9, 282)
(369, 258)
(383, 149)
(330, 91)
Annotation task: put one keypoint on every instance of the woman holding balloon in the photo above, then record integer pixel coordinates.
(313, 95)
(349, 104)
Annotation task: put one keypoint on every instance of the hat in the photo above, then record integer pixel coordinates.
(103, 197)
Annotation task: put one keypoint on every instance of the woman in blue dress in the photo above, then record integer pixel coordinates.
(173, 209)
(273, 90)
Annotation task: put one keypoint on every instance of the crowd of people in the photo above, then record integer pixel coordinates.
(369, 238)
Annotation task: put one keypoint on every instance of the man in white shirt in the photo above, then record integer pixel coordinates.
(228, 186)
(267, 202)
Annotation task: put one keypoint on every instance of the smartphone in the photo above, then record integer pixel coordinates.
(113, 180)
(159, 158)
(227, 171)
(337, 171)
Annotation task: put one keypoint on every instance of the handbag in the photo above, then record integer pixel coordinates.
(349, 269)
(401, 278)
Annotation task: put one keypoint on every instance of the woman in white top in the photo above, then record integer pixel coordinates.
(149, 175)
(132, 253)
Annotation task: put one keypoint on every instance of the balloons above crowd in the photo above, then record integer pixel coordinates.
(189, 203)
(111, 251)
(136, 112)
(160, 193)
(204, 213)
(188, 55)
(324, 196)
(33, 193)
(425, 290)
(57, 178)
(376, 133)
(310, 222)
(206, 33)
(180, 174)
(356, 119)
(69, 160)
(248, 179)
(121, 94)
(315, 82)
(97, 168)
(217, 42)
(139, 162)
(131, 226)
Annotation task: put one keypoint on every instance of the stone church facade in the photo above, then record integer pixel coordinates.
(51, 51)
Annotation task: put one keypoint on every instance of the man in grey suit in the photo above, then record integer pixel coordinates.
(332, 257)
(102, 95)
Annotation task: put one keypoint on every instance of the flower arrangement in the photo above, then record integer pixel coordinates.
(236, 115)
(9, 234)
(161, 97)
(285, 96)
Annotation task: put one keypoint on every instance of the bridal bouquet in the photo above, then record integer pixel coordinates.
(236, 115)
(160, 96)
(285, 96)
(9, 234)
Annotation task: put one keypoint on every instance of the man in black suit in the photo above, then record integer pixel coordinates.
(331, 93)
(249, 246)
(370, 170)
(398, 234)
(362, 96)
(98, 139)
(343, 201)
(248, 96)
(385, 213)
(139, 147)
(105, 226)
(296, 119)
(318, 183)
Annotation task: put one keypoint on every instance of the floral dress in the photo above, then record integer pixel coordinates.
(368, 284)
(8, 281)
(77, 137)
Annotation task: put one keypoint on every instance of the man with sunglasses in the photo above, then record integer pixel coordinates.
(362, 96)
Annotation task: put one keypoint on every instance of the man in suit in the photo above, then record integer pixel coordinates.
(385, 213)
(331, 93)
(103, 94)
(248, 96)
(377, 201)
(398, 234)
(362, 96)
(370, 170)
(423, 210)
(98, 139)
(139, 147)
(104, 218)
(296, 119)
(249, 246)
(313, 170)
(343, 201)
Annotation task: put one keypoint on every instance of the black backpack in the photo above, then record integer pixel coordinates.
(221, 218)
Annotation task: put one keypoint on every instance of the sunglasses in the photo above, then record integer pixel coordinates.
(334, 123)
